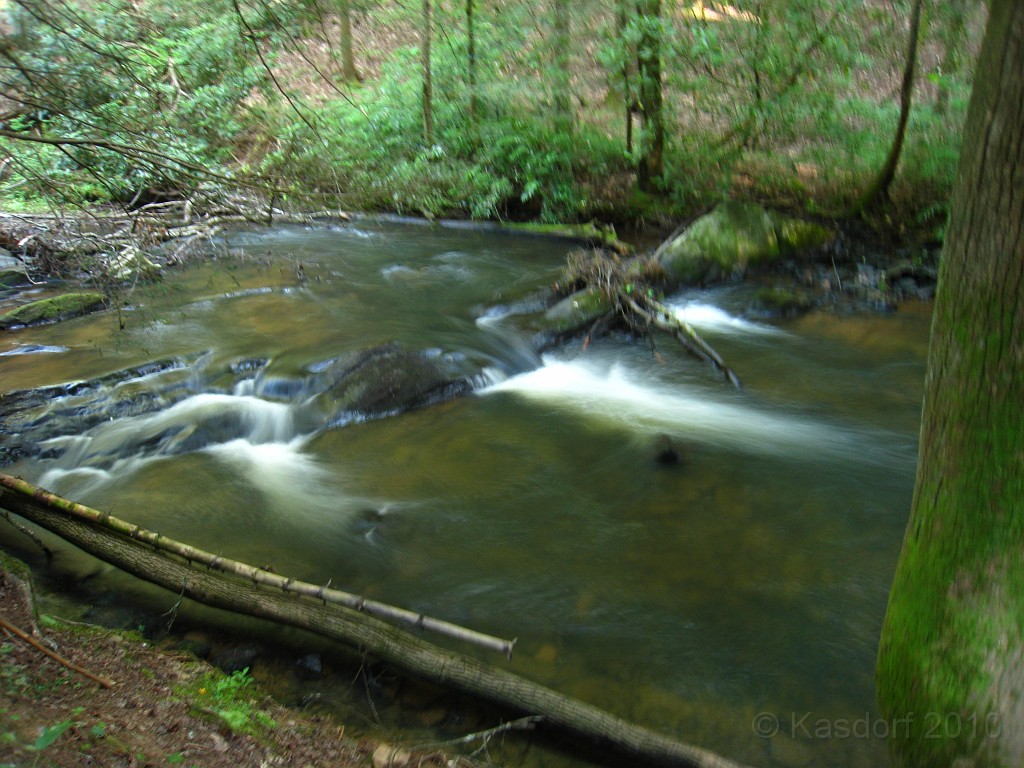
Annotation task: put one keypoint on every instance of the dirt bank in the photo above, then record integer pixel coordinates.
(161, 709)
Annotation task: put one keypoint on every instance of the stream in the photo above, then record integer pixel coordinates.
(733, 599)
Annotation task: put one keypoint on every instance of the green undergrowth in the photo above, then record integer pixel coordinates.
(232, 699)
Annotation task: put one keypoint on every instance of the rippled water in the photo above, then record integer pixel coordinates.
(750, 578)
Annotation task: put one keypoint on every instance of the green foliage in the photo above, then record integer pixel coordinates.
(231, 698)
(511, 162)
(49, 735)
(154, 93)
(791, 101)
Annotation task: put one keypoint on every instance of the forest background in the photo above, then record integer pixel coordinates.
(627, 113)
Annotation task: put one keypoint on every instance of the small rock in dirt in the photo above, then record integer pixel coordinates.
(388, 756)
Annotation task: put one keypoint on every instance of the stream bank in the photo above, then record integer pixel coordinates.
(163, 708)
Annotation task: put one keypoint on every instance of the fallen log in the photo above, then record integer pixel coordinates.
(247, 590)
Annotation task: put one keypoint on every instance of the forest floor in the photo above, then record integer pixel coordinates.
(161, 709)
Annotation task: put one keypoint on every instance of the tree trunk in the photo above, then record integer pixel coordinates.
(255, 592)
(471, 61)
(428, 79)
(878, 190)
(562, 76)
(952, 34)
(652, 148)
(951, 658)
(630, 98)
(348, 62)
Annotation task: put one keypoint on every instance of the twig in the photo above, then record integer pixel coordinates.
(28, 532)
(103, 681)
(521, 724)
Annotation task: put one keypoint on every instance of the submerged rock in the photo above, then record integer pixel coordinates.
(665, 451)
(734, 237)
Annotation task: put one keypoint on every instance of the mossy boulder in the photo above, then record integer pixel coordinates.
(780, 302)
(734, 237)
(52, 310)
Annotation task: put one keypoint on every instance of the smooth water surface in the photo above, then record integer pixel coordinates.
(733, 600)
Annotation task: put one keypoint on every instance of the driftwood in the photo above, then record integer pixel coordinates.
(658, 315)
(51, 241)
(627, 289)
(251, 591)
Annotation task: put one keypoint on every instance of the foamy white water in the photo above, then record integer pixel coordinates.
(712, 318)
(613, 393)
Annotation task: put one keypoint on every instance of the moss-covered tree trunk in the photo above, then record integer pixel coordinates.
(951, 660)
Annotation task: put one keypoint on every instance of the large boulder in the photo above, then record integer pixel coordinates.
(732, 238)
(386, 380)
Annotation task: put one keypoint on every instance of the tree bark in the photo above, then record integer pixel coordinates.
(951, 657)
(169, 564)
(878, 190)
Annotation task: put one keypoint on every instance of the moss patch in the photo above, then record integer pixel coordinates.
(53, 309)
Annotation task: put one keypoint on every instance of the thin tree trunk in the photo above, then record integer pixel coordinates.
(629, 97)
(471, 60)
(145, 554)
(348, 62)
(878, 191)
(428, 79)
(952, 35)
(562, 75)
(951, 657)
(651, 160)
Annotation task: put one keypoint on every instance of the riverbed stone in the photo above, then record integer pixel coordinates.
(52, 309)
(733, 237)
(11, 277)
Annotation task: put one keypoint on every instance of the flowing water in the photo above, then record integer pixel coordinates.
(733, 600)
